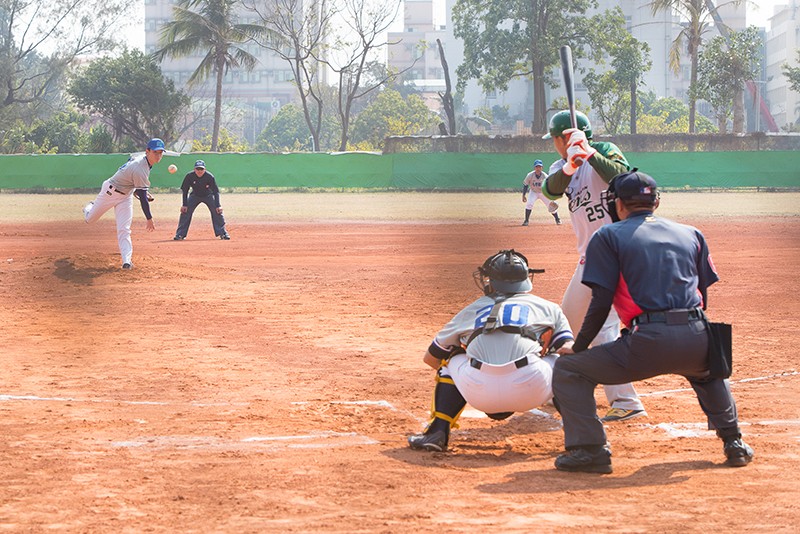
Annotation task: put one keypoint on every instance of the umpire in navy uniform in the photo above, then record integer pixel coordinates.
(204, 189)
(655, 272)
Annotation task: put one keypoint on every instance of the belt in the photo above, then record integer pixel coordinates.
(115, 189)
(522, 362)
(680, 316)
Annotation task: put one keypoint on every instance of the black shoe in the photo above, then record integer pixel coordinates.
(737, 453)
(583, 460)
(225, 237)
(127, 266)
(178, 238)
(434, 442)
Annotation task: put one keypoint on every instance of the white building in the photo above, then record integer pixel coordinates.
(782, 45)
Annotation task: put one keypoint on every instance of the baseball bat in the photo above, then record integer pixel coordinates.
(569, 85)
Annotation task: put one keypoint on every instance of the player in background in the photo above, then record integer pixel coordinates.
(204, 190)
(496, 353)
(582, 174)
(533, 184)
(117, 192)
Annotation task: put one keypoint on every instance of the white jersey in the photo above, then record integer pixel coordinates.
(134, 174)
(498, 347)
(534, 182)
(585, 208)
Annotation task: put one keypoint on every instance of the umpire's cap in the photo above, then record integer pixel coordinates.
(538, 163)
(634, 185)
(155, 144)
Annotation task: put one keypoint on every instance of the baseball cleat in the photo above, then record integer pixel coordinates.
(87, 208)
(127, 266)
(584, 460)
(434, 442)
(178, 238)
(621, 414)
(737, 453)
(225, 237)
(524, 223)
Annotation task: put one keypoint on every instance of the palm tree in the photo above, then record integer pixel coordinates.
(211, 29)
(698, 15)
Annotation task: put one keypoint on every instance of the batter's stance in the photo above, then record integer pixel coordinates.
(583, 174)
(533, 184)
(495, 354)
(117, 192)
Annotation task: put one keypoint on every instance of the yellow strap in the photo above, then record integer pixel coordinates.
(434, 413)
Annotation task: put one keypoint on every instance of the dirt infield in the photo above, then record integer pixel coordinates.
(268, 383)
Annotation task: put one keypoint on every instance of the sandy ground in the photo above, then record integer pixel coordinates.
(268, 383)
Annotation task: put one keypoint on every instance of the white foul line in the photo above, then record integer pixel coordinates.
(743, 380)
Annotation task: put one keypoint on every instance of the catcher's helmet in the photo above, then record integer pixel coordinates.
(505, 272)
(631, 185)
(561, 121)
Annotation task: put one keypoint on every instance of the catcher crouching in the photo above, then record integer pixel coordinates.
(497, 354)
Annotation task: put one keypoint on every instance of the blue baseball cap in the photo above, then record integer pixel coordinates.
(199, 164)
(155, 144)
(538, 163)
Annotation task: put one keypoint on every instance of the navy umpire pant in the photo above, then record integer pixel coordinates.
(186, 218)
(650, 350)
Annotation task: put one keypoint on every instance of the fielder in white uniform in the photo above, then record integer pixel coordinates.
(118, 191)
(496, 353)
(582, 175)
(532, 191)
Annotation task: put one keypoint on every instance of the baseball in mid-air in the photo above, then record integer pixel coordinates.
(172, 169)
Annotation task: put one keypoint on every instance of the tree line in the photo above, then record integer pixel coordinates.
(53, 98)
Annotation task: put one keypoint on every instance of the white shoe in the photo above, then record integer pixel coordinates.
(87, 208)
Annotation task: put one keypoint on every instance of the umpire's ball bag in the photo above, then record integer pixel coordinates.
(720, 350)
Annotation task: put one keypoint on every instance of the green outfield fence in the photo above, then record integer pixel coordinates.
(404, 171)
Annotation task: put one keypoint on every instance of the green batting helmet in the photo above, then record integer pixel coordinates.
(561, 121)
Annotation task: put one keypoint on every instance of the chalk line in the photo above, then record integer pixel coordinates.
(743, 380)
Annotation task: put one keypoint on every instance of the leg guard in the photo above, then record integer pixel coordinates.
(448, 403)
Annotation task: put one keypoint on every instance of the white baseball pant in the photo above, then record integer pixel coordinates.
(575, 305)
(108, 198)
(551, 205)
(503, 388)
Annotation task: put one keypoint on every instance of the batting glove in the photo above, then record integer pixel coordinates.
(578, 138)
(575, 136)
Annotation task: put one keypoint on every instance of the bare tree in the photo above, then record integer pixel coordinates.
(39, 41)
(365, 23)
(447, 96)
(299, 29)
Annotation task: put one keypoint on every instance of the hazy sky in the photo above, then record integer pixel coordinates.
(756, 15)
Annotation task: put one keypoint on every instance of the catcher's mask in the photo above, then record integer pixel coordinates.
(505, 272)
(629, 186)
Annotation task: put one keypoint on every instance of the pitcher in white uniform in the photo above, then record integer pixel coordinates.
(582, 175)
(497, 353)
(118, 191)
